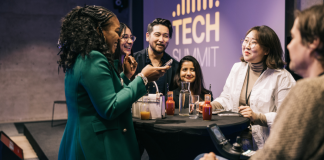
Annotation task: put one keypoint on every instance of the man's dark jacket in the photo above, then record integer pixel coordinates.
(141, 57)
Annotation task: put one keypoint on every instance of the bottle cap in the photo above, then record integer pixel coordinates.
(170, 94)
(207, 98)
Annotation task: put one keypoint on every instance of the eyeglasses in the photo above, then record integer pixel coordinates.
(126, 37)
(252, 43)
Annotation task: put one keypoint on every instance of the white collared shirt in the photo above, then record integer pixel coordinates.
(267, 94)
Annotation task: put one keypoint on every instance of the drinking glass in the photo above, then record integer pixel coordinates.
(193, 106)
(145, 109)
(184, 99)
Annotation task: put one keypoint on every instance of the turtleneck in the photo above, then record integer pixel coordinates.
(256, 67)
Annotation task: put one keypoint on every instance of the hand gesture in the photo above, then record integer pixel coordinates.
(154, 73)
(201, 104)
(129, 66)
(247, 112)
(209, 156)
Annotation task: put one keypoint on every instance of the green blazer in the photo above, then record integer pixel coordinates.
(99, 124)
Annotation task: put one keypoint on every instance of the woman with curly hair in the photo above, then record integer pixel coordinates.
(124, 46)
(99, 124)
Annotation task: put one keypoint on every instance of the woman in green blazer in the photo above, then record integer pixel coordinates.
(99, 100)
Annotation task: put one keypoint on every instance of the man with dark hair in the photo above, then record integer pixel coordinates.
(158, 35)
(298, 130)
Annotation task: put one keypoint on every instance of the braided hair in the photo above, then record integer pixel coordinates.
(79, 34)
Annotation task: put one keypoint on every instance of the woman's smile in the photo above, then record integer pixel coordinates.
(247, 53)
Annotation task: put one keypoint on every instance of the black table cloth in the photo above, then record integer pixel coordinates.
(178, 137)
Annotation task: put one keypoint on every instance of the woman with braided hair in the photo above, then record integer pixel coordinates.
(99, 124)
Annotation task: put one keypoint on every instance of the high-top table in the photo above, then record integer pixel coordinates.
(178, 137)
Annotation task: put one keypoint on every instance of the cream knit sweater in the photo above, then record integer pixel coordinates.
(298, 130)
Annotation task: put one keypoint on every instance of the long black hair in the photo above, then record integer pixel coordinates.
(118, 52)
(81, 32)
(197, 87)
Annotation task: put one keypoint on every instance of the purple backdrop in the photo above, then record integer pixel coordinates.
(212, 33)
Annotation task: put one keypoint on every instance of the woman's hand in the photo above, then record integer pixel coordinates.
(129, 66)
(247, 112)
(154, 73)
(209, 156)
(201, 104)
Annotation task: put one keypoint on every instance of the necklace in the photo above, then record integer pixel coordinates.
(247, 86)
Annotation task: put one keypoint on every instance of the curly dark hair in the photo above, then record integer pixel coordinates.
(81, 32)
(118, 52)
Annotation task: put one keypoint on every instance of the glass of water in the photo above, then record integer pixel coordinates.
(193, 106)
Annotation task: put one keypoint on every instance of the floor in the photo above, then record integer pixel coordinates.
(20, 139)
(46, 138)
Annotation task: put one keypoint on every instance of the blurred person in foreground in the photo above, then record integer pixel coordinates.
(297, 132)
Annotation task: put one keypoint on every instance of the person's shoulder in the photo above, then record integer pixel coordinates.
(96, 54)
(239, 65)
(316, 83)
(281, 73)
(95, 59)
(286, 73)
(310, 90)
(139, 53)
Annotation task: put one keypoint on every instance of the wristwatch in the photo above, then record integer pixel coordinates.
(143, 77)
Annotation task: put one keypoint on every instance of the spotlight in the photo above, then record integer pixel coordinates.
(120, 4)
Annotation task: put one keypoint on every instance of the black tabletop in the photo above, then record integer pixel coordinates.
(176, 123)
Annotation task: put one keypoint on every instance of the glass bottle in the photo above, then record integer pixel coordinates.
(145, 110)
(207, 108)
(170, 104)
(184, 99)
